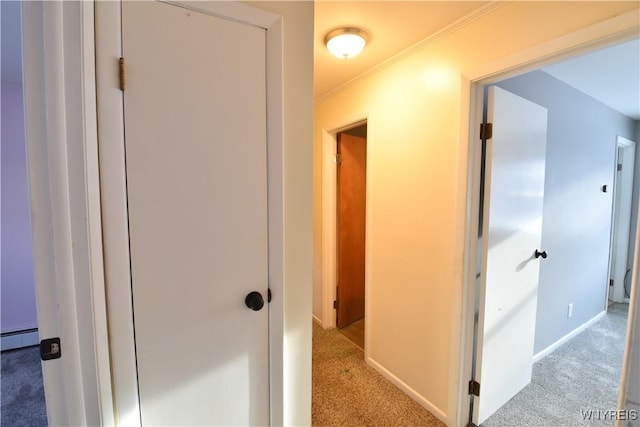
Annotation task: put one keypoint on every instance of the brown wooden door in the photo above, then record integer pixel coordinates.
(351, 227)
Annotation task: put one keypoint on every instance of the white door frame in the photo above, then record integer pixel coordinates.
(62, 153)
(73, 169)
(608, 32)
(114, 197)
(329, 220)
(621, 218)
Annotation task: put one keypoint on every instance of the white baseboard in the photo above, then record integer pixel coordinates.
(547, 351)
(19, 340)
(408, 390)
(317, 320)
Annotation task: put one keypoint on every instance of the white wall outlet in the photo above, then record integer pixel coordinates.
(570, 311)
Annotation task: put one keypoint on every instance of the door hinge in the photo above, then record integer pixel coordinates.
(335, 303)
(619, 167)
(474, 388)
(121, 73)
(610, 282)
(337, 159)
(486, 131)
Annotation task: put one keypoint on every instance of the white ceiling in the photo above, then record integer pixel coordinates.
(393, 26)
(610, 75)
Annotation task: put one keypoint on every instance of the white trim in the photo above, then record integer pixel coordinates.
(630, 359)
(317, 320)
(61, 146)
(233, 10)
(19, 340)
(408, 390)
(624, 142)
(464, 320)
(114, 213)
(368, 231)
(547, 351)
(94, 219)
(610, 31)
(275, 161)
(329, 216)
(114, 198)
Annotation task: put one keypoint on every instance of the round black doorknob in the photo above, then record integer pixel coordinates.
(254, 301)
(542, 254)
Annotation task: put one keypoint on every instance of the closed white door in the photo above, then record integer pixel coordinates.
(512, 232)
(195, 135)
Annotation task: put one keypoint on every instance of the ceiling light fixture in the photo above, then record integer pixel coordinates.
(346, 42)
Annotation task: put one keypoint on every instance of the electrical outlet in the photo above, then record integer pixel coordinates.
(570, 311)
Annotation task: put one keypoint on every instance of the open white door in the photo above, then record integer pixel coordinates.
(512, 234)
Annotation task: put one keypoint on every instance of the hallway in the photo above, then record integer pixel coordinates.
(348, 392)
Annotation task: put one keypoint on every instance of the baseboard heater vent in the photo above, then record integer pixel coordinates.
(19, 339)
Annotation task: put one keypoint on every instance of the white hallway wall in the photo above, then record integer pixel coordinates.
(417, 142)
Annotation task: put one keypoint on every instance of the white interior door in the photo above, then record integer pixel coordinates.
(514, 190)
(195, 135)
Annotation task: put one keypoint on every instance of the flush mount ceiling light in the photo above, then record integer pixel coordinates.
(346, 42)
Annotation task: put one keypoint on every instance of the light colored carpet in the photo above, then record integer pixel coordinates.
(581, 375)
(355, 332)
(348, 392)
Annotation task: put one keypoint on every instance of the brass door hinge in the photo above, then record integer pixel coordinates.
(121, 74)
(486, 131)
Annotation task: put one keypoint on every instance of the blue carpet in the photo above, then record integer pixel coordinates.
(22, 389)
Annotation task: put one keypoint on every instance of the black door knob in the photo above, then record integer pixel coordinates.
(254, 301)
(539, 254)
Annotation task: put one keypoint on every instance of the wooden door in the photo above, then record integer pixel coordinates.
(352, 167)
(512, 232)
(195, 135)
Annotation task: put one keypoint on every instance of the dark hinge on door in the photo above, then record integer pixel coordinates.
(486, 131)
(121, 73)
(474, 388)
(335, 303)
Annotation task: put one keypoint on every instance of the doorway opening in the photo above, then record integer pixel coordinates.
(620, 271)
(579, 175)
(351, 177)
(23, 400)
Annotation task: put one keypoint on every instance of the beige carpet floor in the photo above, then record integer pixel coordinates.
(348, 392)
